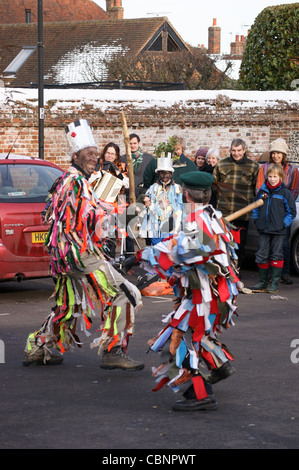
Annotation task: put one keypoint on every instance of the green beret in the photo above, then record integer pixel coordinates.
(197, 179)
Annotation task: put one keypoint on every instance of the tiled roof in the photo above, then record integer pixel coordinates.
(13, 11)
(70, 46)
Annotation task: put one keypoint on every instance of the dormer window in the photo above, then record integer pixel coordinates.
(165, 43)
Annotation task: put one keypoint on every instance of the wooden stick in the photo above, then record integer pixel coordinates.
(132, 195)
(245, 209)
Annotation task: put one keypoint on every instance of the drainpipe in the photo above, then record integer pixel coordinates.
(40, 80)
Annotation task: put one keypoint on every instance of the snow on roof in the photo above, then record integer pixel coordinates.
(109, 99)
(85, 63)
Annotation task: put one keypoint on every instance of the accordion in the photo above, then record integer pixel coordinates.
(107, 188)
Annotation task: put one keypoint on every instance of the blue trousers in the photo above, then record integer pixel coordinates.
(270, 248)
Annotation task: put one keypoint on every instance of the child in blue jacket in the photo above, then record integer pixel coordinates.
(271, 220)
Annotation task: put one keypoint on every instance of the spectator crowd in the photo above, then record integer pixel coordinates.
(159, 197)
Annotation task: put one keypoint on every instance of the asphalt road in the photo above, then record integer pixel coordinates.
(77, 405)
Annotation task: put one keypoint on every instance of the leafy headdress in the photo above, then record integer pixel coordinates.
(163, 148)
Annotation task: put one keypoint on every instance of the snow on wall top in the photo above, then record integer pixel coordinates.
(108, 99)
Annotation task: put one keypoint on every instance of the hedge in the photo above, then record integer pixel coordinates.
(271, 56)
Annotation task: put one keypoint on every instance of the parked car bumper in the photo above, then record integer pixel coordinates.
(17, 268)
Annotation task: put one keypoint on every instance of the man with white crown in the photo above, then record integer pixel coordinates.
(86, 284)
(166, 206)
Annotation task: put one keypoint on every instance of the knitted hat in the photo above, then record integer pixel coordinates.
(279, 145)
(197, 179)
(79, 135)
(202, 152)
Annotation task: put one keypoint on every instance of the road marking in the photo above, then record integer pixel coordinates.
(163, 300)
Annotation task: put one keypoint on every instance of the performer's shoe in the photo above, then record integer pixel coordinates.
(117, 359)
(206, 404)
(37, 358)
(223, 372)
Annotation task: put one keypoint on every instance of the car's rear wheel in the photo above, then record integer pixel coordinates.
(295, 253)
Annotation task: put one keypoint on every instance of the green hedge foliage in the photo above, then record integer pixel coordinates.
(271, 56)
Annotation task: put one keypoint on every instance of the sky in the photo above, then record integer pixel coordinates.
(192, 18)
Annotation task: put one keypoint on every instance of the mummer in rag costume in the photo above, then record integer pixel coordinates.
(86, 284)
(201, 264)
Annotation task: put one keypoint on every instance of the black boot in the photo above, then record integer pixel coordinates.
(206, 404)
(285, 279)
(223, 372)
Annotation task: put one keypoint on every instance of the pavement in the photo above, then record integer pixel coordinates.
(77, 405)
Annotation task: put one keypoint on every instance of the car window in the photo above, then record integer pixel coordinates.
(26, 182)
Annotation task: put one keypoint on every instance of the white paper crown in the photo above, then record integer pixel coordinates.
(164, 163)
(79, 135)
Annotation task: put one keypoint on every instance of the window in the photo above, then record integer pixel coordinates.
(166, 44)
(19, 60)
(26, 183)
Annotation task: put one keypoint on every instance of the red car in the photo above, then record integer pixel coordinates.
(24, 186)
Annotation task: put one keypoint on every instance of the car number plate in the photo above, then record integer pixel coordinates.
(39, 237)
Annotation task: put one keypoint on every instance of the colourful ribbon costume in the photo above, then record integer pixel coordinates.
(200, 263)
(87, 285)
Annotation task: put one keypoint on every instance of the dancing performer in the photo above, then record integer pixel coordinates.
(201, 264)
(86, 284)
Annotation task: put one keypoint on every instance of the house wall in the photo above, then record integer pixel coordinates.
(202, 118)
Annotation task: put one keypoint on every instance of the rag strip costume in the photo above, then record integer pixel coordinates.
(200, 263)
(87, 285)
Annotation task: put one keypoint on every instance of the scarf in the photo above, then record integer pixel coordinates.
(271, 188)
(137, 159)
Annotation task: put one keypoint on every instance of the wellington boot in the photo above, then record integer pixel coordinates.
(275, 278)
(117, 359)
(261, 286)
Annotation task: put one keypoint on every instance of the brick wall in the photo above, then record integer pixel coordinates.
(202, 118)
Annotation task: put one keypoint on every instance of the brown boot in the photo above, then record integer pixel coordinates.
(37, 358)
(117, 359)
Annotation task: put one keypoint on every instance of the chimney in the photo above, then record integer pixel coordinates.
(27, 15)
(114, 9)
(237, 47)
(214, 38)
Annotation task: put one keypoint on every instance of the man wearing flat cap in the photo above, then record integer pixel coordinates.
(201, 264)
